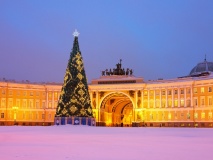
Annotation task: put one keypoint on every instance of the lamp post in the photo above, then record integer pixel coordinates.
(15, 109)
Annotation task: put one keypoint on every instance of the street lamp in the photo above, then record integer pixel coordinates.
(15, 109)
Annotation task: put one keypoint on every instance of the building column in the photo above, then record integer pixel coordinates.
(136, 100)
(178, 96)
(154, 98)
(191, 96)
(166, 91)
(98, 106)
(185, 97)
(148, 97)
(160, 99)
(142, 98)
(47, 98)
(58, 94)
(172, 97)
(53, 95)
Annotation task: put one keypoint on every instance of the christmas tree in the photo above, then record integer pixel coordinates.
(74, 99)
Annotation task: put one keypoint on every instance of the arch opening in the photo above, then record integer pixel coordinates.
(116, 110)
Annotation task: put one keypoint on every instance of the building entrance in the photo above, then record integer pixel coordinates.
(116, 110)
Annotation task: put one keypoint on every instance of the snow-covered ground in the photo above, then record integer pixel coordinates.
(104, 143)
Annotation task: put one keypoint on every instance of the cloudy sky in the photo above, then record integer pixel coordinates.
(157, 38)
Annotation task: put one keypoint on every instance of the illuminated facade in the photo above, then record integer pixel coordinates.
(119, 100)
(28, 104)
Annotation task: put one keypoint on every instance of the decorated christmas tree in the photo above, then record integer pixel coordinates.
(74, 98)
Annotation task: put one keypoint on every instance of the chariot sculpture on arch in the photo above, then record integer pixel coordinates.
(118, 71)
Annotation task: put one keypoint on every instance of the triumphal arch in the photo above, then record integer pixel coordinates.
(116, 98)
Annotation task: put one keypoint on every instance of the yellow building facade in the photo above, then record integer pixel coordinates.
(119, 100)
(185, 102)
(27, 103)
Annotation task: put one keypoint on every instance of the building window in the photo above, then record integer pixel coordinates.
(176, 91)
(24, 103)
(169, 103)
(195, 90)
(169, 92)
(18, 93)
(195, 102)
(145, 103)
(203, 115)
(163, 104)
(182, 102)
(31, 104)
(210, 89)
(50, 104)
(37, 94)
(3, 102)
(210, 101)
(25, 93)
(169, 116)
(56, 95)
(151, 103)
(188, 91)
(210, 115)
(202, 89)
(37, 104)
(50, 95)
(202, 101)
(151, 93)
(10, 103)
(176, 102)
(182, 115)
(157, 103)
(43, 116)
(10, 92)
(3, 91)
(43, 105)
(157, 116)
(23, 115)
(188, 115)
(151, 116)
(2, 115)
(50, 116)
(196, 115)
(188, 103)
(181, 91)
(31, 93)
(18, 103)
(163, 93)
(56, 103)
(163, 116)
(176, 115)
(36, 116)
(157, 93)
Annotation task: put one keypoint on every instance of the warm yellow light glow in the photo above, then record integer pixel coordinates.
(169, 116)
(15, 107)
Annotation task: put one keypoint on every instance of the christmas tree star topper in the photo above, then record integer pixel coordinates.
(76, 33)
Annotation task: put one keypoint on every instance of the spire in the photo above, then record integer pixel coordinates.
(205, 58)
(74, 98)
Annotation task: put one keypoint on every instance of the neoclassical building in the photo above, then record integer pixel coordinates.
(119, 99)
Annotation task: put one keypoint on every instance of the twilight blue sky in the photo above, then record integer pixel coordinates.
(156, 38)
